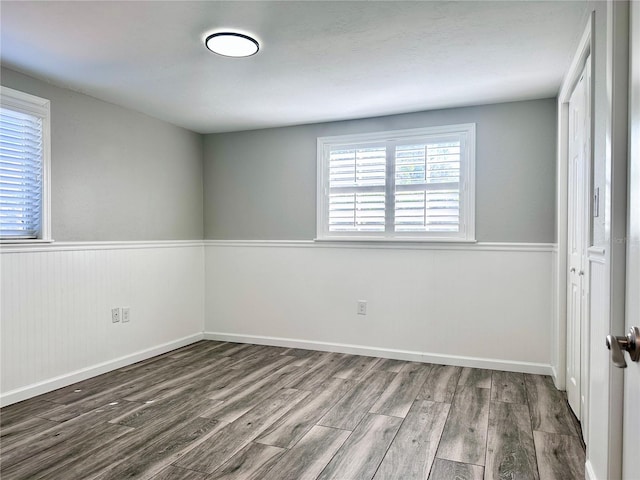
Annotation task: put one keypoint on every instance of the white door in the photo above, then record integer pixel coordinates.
(577, 228)
(631, 415)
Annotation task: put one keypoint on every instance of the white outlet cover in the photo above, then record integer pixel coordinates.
(115, 315)
(125, 314)
(362, 307)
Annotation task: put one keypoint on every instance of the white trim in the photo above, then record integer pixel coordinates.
(577, 63)
(560, 317)
(589, 474)
(554, 375)
(366, 244)
(50, 246)
(395, 134)
(29, 241)
(490, 363)
(32, 246)
(49, 385)
(466, 132)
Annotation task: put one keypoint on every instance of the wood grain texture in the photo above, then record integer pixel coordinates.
(178, 381)
(548, 406)
(465, 433)
(45, 463)
(355, 367)
(475, 377)
(50, 439)
(240, 380)
(249, 463)
(298, 352)
(308, 457)
(322, 371)
(113, 452)
(441, 383)
(359, 457)
(21, 411)
(309, 361)
(412, 452)
(349, 411)
(510, 449)
(149, 414)
(177, 473)
(447, 470)
(120, 387)
(14, 434)
(258, 427)
(255, 358)
(508, 387)
(160, 452)
(389, 365)
(560, 457)
(187, 350)
(397, 398)
(225, 443)
(299, 420)
(243, 401)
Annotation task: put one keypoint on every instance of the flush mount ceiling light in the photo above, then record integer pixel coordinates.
(232, 44)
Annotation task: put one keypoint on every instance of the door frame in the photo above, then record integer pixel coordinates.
(585, 47)
(606, 38)
(631, 427)
(582, 182)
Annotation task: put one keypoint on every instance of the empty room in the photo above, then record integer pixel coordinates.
(319, 240)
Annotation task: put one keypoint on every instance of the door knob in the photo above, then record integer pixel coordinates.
(573, 270)
(630, 343)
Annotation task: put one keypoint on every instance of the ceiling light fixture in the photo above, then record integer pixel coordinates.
(232, 44)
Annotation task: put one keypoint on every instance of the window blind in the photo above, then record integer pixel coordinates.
(427, 180)
(21, 169)
(403, 184)
(357, 179)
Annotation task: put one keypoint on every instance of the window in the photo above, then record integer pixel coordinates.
(24, 166)
(407, 185)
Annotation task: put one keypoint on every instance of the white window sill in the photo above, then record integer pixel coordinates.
(25, 241)
(443, 240)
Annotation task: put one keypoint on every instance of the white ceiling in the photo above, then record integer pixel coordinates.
(319, 60)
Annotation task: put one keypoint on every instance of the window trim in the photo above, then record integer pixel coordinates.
(467, 191)
(41, 107)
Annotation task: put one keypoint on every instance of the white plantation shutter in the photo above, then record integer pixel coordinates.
(411, 184)
(427, 182)
(357, 189)
(23, 148)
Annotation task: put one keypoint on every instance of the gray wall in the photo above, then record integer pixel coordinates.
(121, 175)
(117, 174)
(262, 184)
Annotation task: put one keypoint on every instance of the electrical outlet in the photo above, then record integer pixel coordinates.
(362, 307)
(125, 314)
(115, 315)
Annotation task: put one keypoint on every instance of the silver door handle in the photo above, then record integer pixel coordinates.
(573, 270)
(581, 273)
(630, 343)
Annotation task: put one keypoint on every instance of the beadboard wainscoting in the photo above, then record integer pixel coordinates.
(481, 305)
(56, 302)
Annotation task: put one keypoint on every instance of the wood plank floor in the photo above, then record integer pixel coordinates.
(216, 410)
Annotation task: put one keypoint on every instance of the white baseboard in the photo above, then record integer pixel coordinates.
(554, 375)
(49, 385)
(489, 363)
(589, 474)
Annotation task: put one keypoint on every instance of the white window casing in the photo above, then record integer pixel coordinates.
(403, 185)
(25, 153)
